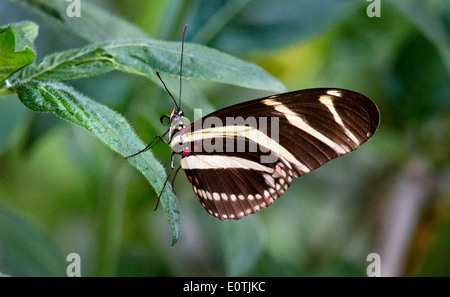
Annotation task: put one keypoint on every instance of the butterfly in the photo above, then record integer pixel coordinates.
(241, 158)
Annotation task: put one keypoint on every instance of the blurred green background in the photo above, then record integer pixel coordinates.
(62, 191)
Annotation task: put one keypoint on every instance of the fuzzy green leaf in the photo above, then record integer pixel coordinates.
(30, 29)
(94, 23)
(145, 57)
(108, 126)
(16, 48)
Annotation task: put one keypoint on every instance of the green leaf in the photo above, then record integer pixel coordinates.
(16, 49)
(145, 57)
(243, 243)
(12, 115)
(97, 25)
(30, 29)
(429, 23)
(27, 250)
(108, 126)
(94, 25)
(262, 25)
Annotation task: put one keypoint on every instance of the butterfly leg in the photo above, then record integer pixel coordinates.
(157, 139)
(165, 182)
(175, 175)
(162, 190)
(171, 160)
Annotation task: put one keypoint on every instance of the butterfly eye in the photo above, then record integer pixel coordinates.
(165, 120)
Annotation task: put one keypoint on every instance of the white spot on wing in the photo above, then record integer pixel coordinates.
(269, 180)
(336, 93)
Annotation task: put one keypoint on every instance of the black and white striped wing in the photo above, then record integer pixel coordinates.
(314, 127)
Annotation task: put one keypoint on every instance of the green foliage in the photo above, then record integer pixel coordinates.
(95, 25)
(37, 88)
(264, 25)
(428, 22)
(63, 191)
(108, 126)
(27, 249)
(242, 245)
(145, 57)
(16, 50)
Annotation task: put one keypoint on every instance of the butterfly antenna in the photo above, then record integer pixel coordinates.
(181, 65)
(170, 94)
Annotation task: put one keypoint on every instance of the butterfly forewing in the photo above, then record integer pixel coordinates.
(252, 161)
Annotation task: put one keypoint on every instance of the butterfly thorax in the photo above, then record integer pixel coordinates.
(178, 133)
(176, 124)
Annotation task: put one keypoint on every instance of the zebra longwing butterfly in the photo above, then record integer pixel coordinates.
(238, 163)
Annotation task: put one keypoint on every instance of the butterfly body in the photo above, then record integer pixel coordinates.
(240, 159)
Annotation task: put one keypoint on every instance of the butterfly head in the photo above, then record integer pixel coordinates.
(177, 123)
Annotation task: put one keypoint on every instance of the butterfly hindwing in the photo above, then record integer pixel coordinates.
(254, 162)
(232, 193)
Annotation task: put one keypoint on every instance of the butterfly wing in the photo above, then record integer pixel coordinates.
(239, 163)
